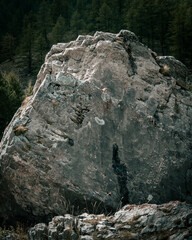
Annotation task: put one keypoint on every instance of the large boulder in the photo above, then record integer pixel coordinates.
(103, 128)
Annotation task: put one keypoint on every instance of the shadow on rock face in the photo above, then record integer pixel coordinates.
(120, 170)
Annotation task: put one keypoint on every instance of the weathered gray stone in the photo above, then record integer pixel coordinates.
(7, 235)
(52, 233)
(56, 154)
(86, 237)
(64, 79)
(173, 67)
(66, 234)
(86, 228)
(38, 232)
(74, 236)
(147, 221)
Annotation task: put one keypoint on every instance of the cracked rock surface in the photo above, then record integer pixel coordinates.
(92, 93)
(171, 221)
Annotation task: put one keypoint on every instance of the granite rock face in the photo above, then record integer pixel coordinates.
(103, 128)
(171, 221)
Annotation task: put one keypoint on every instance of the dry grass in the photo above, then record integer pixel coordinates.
(21, 232)
(130, 207)
(165, 70)
(55, 103)
(119, 41)
(25, 101)
(17, 233)
(96, 220)
(20, 130)
(125, 235)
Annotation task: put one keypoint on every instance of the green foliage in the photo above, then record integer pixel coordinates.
(77, 23)
(11, 96)
(19, 232)
(27, 40)
(181, 31)
(40, 48)
(105, 18)
(164, 25)
(44, 21)
(58, 31)
(7, 47)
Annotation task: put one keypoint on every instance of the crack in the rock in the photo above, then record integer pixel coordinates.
(79, 114)
(131, 58)
(120, 170)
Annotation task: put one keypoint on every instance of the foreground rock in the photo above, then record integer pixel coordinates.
(171, 221)
(104, 128)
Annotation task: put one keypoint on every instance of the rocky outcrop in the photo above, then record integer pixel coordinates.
(104, 127)
(172, 221)
(172, 67)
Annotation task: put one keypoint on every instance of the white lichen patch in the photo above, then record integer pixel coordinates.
(99, 121)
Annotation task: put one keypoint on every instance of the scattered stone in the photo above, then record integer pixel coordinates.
(147, 221)
(39, 231)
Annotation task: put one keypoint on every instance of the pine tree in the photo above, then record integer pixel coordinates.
(44, 21)
(77, 24)
(188, 32)
(7, 47)
(61, 8)
(58, 31)
(178, 31)
(11, 96)
(14, 89)
(93, 15)
(105, 18)
(40, 48)
(114, 15)
(163, 18)
(135, 20)
(27, 40)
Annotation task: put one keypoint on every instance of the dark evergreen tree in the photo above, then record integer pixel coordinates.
(93, 15)
(44, 21)
(40, 48)
(58, 31)
(11, 96)
(135, 20)
(7, 47)
(115, 15)
(177, 31)
(188, 33)
(28, 39)
(105, 18)
(163, 18)
(61, 8)
(77, 24)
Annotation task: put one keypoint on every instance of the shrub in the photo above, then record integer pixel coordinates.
(11, 96)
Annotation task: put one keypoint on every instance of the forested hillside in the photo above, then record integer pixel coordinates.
(29, 28)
